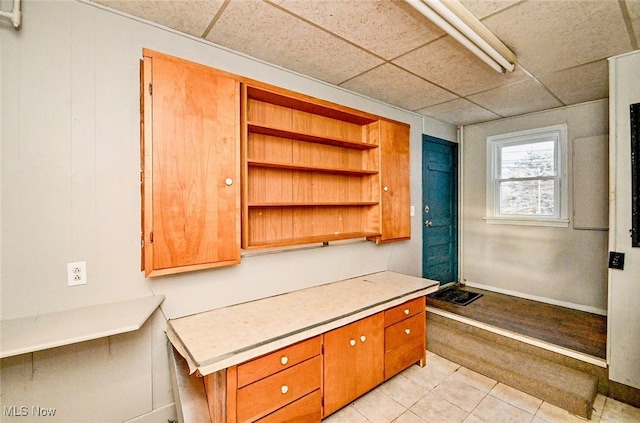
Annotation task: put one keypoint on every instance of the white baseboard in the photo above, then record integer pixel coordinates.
(162, 414)
(580, 307)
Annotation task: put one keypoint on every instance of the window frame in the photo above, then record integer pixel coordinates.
(495, 143)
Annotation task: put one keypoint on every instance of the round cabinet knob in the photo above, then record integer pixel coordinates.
(352, 342)
(407, 331)
(228, 182)
(385, 189)
(406, 311)
(363, 338)
(284, 360)
(284, 389)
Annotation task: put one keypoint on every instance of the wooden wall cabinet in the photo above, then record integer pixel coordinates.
(230, 163)
(395, 199)
(190, 166)
(353, 361)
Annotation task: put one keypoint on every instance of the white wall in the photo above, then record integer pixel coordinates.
(70, 192)
(623, 341)
(564, 266)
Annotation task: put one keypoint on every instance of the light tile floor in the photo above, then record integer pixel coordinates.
(445, 392)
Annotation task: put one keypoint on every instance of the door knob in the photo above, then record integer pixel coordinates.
(428, 223)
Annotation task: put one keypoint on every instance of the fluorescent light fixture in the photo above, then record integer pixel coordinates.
(454, 19)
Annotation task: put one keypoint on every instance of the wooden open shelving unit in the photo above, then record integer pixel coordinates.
(311, 171)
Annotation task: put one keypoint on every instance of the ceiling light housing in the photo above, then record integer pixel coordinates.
(454, 19)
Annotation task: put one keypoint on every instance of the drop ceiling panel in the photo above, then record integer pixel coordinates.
(190, 17)
(268, 33)
(446, 63)
(377, 26)
(459, 112)
(388, 51)
(551, 35)
(634, 13)
(516, 99)
(593, 82)
(395, 86)
(483, 8)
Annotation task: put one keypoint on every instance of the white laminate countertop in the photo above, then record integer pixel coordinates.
(221, 338)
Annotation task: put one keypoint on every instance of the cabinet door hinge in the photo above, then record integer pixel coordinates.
(151, 237)
(150, 89)
(141, 239)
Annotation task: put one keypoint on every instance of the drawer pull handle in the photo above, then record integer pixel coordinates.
(363, 338)
(228, 182)
(407, 331)
(284, 389)
(284, 360)
(352, 342)
(406, 311)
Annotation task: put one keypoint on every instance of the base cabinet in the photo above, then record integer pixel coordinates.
(314, 378)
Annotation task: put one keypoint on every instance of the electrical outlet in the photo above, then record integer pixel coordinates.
(77, 273)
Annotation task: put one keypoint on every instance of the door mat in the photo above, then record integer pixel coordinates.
(455, 296)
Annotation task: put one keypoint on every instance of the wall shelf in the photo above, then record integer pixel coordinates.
(36, 333)
(309, 168)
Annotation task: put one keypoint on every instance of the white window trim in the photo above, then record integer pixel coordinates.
(556, 132)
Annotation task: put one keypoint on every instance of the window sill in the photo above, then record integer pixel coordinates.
(556, 223)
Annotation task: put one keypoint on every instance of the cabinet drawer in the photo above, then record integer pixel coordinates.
(402, 311)
(305, 410)
(405, 344)
(276, 361)
(408, 331)
(271, 393)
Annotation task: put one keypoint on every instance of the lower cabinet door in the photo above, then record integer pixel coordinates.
(307, 409)
(353, 361)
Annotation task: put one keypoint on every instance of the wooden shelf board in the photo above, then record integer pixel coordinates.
(285, 133)
(309, 105)
(279, 165)
(317, 204)
(311, 239)
(36, 333)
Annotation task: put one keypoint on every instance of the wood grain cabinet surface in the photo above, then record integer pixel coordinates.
(191, 166)
(281, 386)
(404, 336)
(353, 361)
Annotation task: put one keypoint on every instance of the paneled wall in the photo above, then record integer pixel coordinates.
(70, 192)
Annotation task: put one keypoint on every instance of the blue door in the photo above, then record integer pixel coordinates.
(439, 209)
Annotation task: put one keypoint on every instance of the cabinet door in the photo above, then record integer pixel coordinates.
(353, 361)
(394, 178)
(191, 148)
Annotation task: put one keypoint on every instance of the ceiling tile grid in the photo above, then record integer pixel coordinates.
(386, 50)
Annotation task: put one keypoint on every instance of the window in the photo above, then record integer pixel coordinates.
(526, 177)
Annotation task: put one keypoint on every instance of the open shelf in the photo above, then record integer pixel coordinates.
(311, 168)
(36, 333)
(257, 128)
(312, 171)
(309, 105)
(311, 239)
(317, 204)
